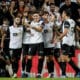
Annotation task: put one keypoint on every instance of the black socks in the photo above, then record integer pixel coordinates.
(28, 65)
(40, 65)
(74, 66)
(23, 64)
(63, 67)
(15, 66)
(50, 66)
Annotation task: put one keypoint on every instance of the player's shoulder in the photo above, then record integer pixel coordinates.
(67, 22)
(10, 27)
(72, 22)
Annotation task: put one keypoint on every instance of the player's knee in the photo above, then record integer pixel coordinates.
(59, 60)
(8, 62)
(41, 57)
(51, 57)
(62, 58)
(47, 59)
(24, 56)
(67, 59)
(29, 57)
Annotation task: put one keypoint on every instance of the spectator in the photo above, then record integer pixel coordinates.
(46, 6)
(5, 47)
(38, 3)
(73, 7)
(33, 8)
(57, 2)
(78, 2)
(26, 8)
(55, 11)
(13, 8)
(28, 2)
(21, 6)
(4, 13)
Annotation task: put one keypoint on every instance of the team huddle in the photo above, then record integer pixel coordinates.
(46, 34)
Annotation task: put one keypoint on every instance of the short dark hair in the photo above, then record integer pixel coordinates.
(5, 19)
(52, 4)
(68, 12)
(35, 12)
(45, 12)
(17, 15)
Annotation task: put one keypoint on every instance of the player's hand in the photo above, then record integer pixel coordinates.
(1, 50)
(27, 25)
(2, 45)
(1, 57)
(56, 40)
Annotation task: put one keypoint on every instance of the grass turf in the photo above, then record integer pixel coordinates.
(39, 78)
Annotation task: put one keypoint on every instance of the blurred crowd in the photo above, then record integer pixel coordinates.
(9, 8)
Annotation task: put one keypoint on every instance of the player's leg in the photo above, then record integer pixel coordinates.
(7, 57)
(40, 49)
(57, 53)
(8, 64)
(25, 53)
(65, 50)
(15, 57)
(71, 62)
(49, 59)
(31, 53)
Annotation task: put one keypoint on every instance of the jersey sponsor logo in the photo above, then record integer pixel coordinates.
(15, 34)
(45, 31)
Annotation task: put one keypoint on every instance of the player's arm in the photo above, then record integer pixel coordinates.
(78, 25)
(58, 33)
(38, 28)
(2, 58)
(26, 24)
(23, 21)
(56, 30)
(53, 37)
(78, 28)
(63, 34)
(66, 29)
(4, 34)
(3, 38)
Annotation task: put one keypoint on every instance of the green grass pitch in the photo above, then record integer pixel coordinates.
(39, 78)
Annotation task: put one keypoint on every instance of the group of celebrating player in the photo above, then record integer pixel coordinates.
(46, 34)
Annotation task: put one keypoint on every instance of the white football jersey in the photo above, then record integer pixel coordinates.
(16, 35)
(36, 36)
(69, 39)
(48, 34)
(26, 36)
